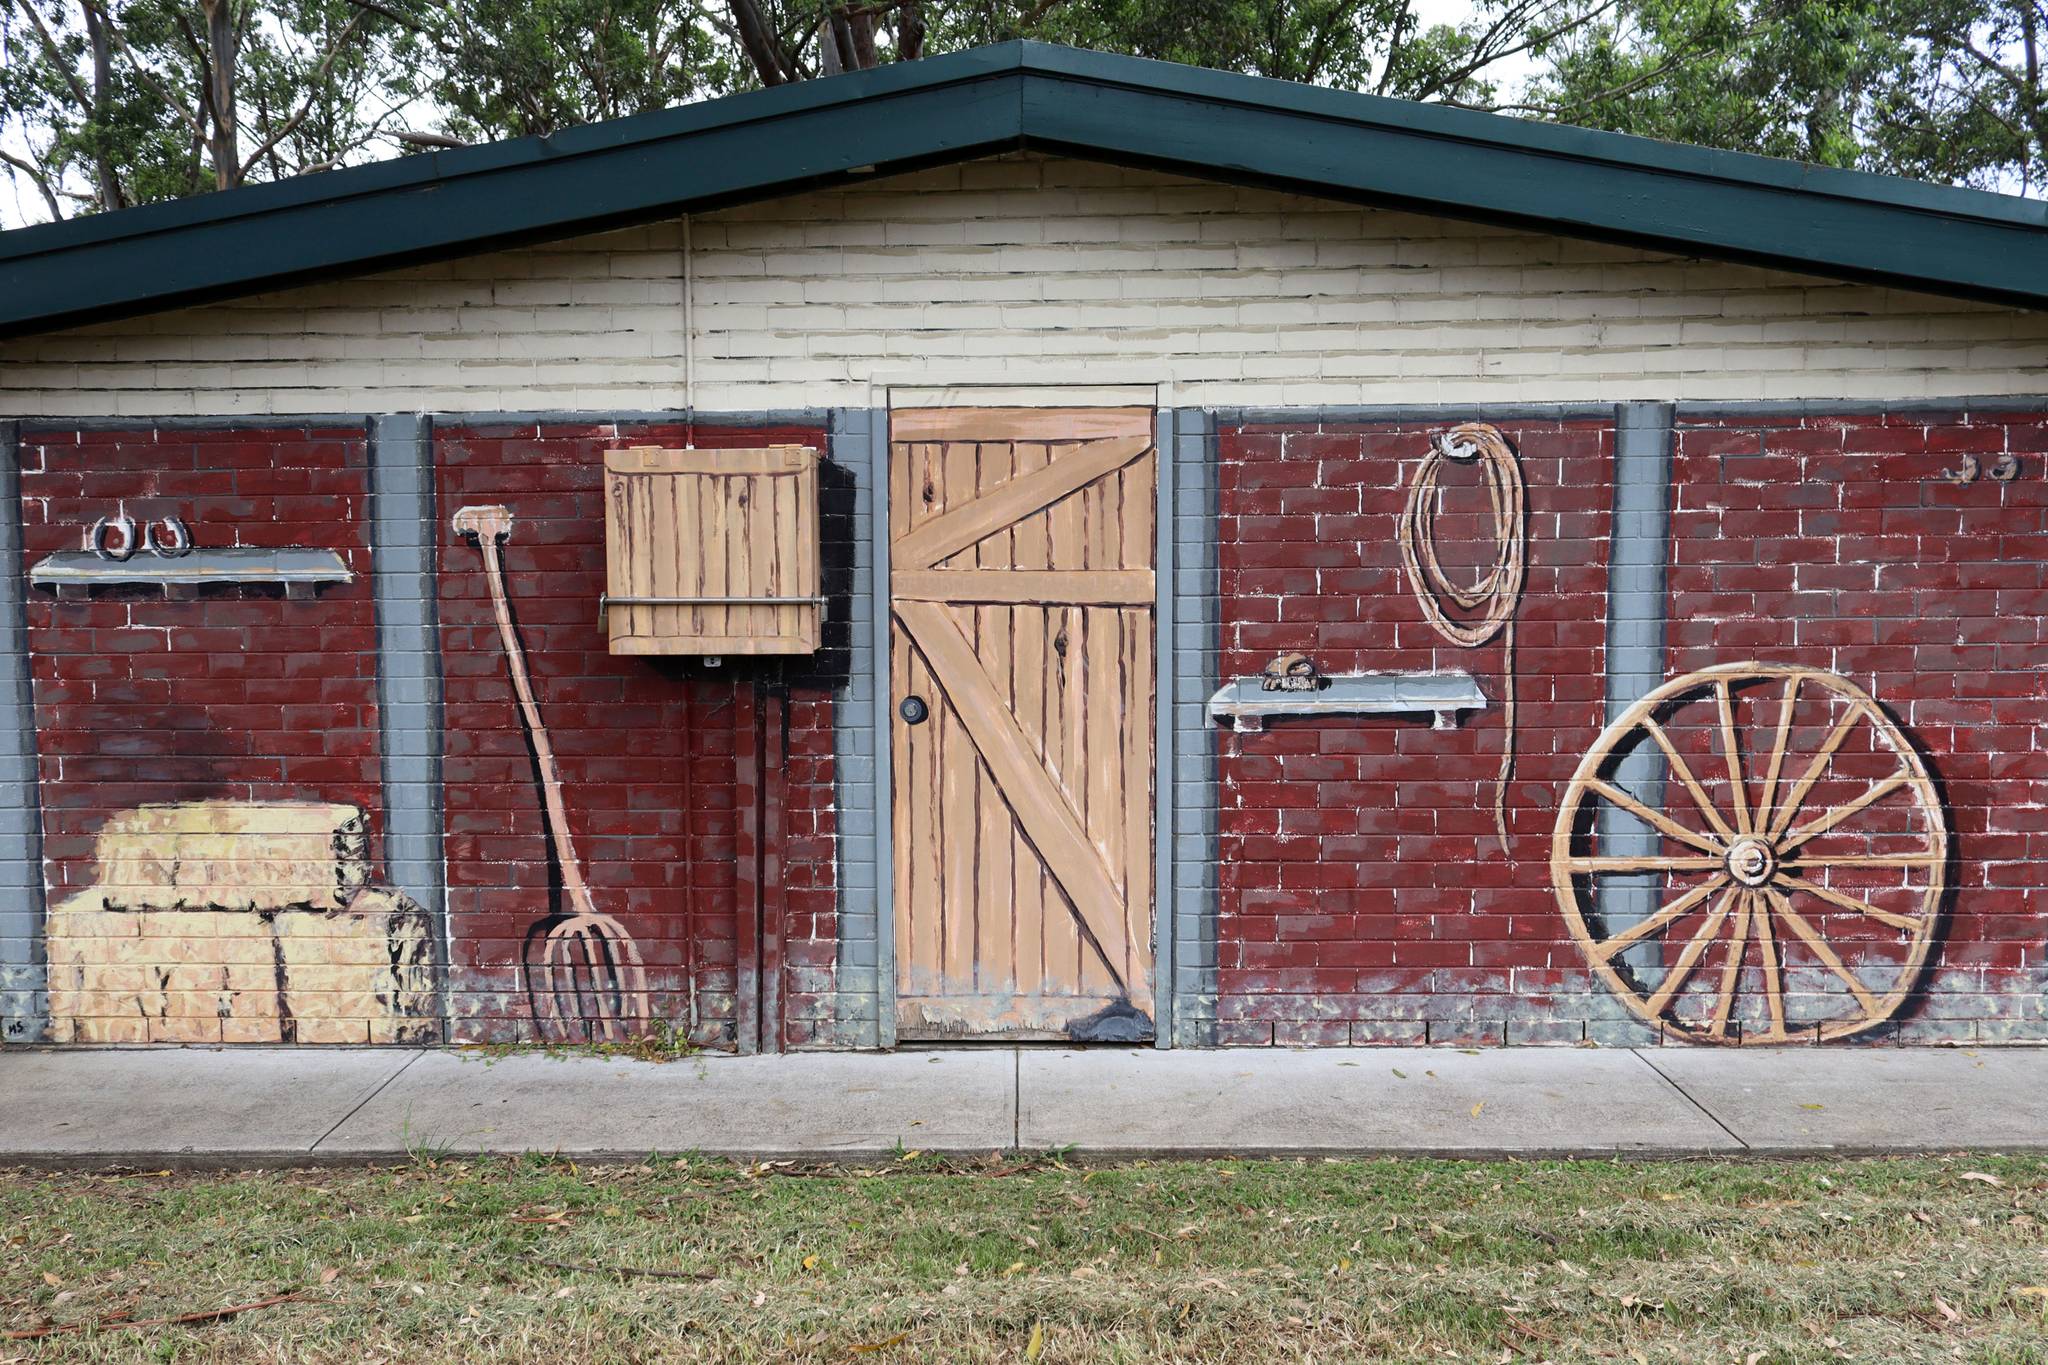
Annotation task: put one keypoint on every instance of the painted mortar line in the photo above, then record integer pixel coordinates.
(1712, 1117)
(375, 1091)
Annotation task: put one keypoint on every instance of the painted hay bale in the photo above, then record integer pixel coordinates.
(233, 855)
(358, 975)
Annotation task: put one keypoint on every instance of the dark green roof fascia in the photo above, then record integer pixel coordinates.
(1837, 223)
(477, 199)
(1207, 123)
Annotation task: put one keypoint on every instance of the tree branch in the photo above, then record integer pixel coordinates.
(78, 91)
(312, 94)
(36, 178)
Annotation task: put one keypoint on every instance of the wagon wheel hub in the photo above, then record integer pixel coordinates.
(1752, 861)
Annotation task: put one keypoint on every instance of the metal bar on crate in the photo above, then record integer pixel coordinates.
(605, 602)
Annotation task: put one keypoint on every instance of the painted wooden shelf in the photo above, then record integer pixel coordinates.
(75, 573)
(1245, 705)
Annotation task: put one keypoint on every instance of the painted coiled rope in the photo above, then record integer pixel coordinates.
(1485, 607)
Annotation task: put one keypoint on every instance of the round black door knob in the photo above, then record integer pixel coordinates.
(913, 710)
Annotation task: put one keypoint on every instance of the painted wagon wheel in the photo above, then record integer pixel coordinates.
(1776, 852)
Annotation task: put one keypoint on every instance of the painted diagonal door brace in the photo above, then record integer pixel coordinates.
(1030, 587)
(952, 531)
(1041, 808)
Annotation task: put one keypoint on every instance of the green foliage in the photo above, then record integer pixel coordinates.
(105, 104)
(511, 68)
(1944, 90)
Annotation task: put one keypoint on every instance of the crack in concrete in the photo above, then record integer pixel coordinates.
(1712, 1117)
(357, 1107)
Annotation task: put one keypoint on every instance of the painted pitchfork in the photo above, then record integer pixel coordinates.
(584, 973)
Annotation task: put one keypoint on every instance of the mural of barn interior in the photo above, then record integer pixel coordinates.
(1806, 821)
(1031, 599)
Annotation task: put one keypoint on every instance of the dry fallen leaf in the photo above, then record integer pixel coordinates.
(1035, 1347)
(330, 1275)
(51, 1280)
(811, 1262)
(1813, 1106)
(1986, 1179)
(868, 1347)
(2032, 1291)
(1946, 1309)
(1477, 1107)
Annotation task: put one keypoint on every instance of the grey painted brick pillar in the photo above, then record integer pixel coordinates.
(859, 445)
(24, 1002)
(1187, 836)
(1636, 598)
(403, 537)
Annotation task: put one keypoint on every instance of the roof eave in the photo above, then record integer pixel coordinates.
(1217, 125)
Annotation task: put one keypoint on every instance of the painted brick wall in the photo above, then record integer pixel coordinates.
(1045, 270)
(238, 694)
(1364, 896)
(1841, 543)
(807, 852)
(646, 748)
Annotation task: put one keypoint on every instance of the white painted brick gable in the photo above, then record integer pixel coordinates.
(1027, 269)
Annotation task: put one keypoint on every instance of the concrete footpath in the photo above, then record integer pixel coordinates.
(262, 1106)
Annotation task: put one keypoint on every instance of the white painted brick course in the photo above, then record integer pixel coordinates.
(1037, 270)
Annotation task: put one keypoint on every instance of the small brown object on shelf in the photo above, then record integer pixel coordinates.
(1292, 673)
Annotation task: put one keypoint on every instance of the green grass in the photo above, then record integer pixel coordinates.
(924, 1260)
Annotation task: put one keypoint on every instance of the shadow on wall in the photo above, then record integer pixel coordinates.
(239, 922)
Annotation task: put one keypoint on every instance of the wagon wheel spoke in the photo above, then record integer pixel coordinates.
(1821, 950)
(1725, 701)
(1926, 859)
(1656, 819)
(1683, 772)
(1774, 981)
(1619, 863)
(1783, 816)
(1681, 971)
(1731, 971)
(1823, 824)
(1779, 742)
(1849, 902)
(1650, 924)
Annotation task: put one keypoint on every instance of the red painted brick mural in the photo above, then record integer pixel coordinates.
(664, 768)
(1855, 615)
(1906, 554)
(1821, 822)
(209, 758)
(1364, 894)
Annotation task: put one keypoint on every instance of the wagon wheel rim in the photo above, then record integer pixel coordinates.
(1768, 893)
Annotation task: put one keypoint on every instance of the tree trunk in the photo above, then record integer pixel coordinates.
(221, 44)
(910, 30)
(758, 39)
(106, 180)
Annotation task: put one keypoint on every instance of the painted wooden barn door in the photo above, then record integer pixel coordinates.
(1022, 588)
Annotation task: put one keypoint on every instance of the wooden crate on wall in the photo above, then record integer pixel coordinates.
(712, 551)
